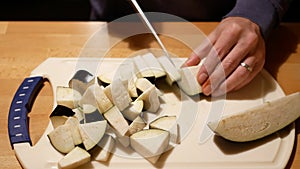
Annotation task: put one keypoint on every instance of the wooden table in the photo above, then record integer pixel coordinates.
(24, 45)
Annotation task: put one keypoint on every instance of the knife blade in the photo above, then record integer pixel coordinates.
(150, 27)
(259, 121)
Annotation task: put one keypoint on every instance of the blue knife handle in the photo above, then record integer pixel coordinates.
(18, 121)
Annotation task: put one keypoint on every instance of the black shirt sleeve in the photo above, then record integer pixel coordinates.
(265, 13)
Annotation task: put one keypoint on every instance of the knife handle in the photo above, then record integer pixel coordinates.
(18, 120)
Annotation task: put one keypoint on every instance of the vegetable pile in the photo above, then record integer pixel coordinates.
(93, 114)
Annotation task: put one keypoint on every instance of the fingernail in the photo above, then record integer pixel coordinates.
(202, 78)
(184, 65)
(206, 90)
(188, 62)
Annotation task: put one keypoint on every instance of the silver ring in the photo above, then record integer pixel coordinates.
(246, 66)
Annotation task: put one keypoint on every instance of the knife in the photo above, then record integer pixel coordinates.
(149, 26)
(18, 120)
(259, 121)
(166, 61)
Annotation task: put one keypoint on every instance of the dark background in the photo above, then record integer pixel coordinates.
(44, 10)
(75, 10)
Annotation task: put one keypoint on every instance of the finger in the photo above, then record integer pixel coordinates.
(225, 68)
(211, 83)
(230, 62)
(199, 53)
(221, 48)
(213, 69)
(211, 61)
(225, 41)
(239, 76)
(204, 48)
(192, 60)
(259, 56)
(202, 75)
(207, 68)
(228, 65)
(256, 69)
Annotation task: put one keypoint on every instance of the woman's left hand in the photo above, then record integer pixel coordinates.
(235, 54)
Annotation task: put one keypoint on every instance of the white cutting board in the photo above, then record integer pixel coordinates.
(199, 148)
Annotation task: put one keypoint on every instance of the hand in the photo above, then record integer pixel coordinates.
(235, 40)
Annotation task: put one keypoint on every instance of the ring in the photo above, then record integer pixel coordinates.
(246, 66)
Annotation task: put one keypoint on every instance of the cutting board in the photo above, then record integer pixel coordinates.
(199, 147)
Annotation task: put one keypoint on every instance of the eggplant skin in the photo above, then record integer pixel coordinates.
(81, 80)
(93, 117)
(83, 76)
(61, 110)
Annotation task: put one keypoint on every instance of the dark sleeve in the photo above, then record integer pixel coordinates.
(265, 13)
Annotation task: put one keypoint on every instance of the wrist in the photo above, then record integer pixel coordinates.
(260, 12)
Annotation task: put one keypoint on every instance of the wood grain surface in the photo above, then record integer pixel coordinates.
(24, 45)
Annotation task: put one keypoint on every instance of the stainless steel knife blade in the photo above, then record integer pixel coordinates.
(149, 26)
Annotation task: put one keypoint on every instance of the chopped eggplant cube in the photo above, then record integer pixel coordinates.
(81, 80)
(94, 116)
(61, 110)
(84, 76)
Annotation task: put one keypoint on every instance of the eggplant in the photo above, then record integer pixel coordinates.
(61, 138)
(150, 143)
(92, 133)
(74, 124)
(152, 62)
(188, 82)
(143, 69)
(81, 80)
(91, 114)
(173, 74)
(67, 96)
(167, 123)
(103, 151)
(136, 125)
(150, 99)
(95, 95)
(61, 110)
(133, 110)
(60, 115)
(119, 94)
(74, 159)
(116, 120)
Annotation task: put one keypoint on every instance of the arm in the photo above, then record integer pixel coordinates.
(265, 13)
